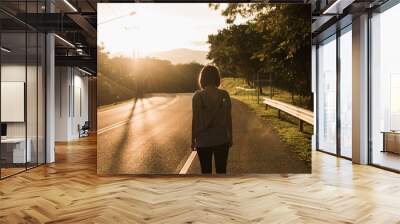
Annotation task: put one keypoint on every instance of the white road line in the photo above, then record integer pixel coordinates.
(118, 124)
(188, 163)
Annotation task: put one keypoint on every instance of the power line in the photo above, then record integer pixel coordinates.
(115, 18)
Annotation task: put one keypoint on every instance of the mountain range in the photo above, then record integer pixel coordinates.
(182, 56)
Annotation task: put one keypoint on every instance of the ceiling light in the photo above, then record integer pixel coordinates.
(70, 5)
(5, 50)
(337, 7)
(65, 41)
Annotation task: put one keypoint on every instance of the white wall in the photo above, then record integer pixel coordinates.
(13, 100)
(71, 87)
(15, 73)
(62, 81)
(10, 73)
(80, 110)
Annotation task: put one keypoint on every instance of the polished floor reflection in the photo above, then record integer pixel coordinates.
(387, 159)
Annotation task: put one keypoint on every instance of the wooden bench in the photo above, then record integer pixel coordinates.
(302, 114)
(245, 89)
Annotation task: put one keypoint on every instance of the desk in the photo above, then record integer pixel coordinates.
(13, 150)
(391, 141)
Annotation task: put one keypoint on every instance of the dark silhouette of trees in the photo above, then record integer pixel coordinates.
(122, 78)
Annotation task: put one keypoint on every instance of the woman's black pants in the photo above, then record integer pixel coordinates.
(220, 157)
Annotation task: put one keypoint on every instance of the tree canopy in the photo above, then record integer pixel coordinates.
(273, 41)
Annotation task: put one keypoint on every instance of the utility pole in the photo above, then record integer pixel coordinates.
(259, 87)
(270, 85)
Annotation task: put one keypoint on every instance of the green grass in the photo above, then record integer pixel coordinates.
(230, 85)
(287, 127)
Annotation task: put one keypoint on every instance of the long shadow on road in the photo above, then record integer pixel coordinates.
(124, 148)
(154, 141)
(158, 142)
(118, 155)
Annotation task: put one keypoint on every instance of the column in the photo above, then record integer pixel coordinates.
(50, 92)
(360, 90)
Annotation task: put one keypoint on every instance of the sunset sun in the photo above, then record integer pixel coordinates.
(142, 29)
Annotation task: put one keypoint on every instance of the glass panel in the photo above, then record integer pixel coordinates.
(327, 95)
(313, 81)
(13, 89)
(41, 98)
(32, 89)
(385, 89)
(31, 100)
(23, 90)
(346, 94)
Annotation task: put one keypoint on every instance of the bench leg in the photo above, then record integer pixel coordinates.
(279, 114)
(266, 106)
(301, 125)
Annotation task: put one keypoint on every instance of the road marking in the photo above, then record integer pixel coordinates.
(118, 124)
(115, 106)
(188, 163)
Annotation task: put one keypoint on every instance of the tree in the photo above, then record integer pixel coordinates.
(232, 51)
(273, 41)
(121, 78)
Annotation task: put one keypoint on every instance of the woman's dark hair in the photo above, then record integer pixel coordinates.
(209, 76)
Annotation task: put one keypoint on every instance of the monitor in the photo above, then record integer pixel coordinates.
(3, 129)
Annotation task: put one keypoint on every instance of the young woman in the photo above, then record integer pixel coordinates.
(212, 122)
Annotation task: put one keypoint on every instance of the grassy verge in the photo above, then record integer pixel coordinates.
(278, 94)
(287, 127)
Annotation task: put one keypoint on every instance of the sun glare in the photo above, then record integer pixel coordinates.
(148, 28)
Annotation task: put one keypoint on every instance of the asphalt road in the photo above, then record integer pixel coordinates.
(152, 136)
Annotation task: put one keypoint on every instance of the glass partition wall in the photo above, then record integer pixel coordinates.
(22, 87)
(334, 104)
(13, 90)
(385, 89)
(334, 85)
(345, 91)
(327, 95)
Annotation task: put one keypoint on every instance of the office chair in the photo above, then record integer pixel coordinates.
(84, 130)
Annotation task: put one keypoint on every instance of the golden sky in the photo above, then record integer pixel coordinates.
(156, 27)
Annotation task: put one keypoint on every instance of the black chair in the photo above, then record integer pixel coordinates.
(84, 130)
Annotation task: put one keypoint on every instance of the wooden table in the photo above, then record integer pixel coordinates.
(391, 141)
